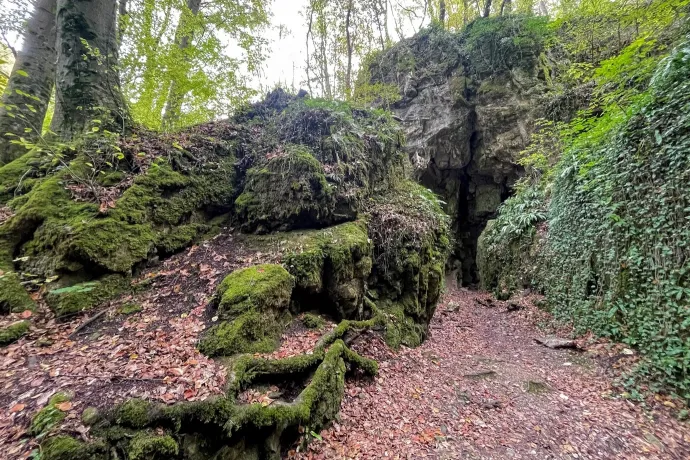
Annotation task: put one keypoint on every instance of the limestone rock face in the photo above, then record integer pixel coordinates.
(464, 125)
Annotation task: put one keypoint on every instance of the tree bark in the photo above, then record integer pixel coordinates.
(348, 73)
(173, 108)
(487, 8)
(25, 100)
(87, 83)
(503, 6)
(442, 13)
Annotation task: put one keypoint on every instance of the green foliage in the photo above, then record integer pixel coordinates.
(201, 75)
(508, 246)
(619, 229)
(613, 260)
(496, 45)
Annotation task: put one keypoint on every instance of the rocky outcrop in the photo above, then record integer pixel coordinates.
(320, 186)
(468, 105)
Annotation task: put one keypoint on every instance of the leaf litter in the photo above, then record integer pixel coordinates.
(479, 387)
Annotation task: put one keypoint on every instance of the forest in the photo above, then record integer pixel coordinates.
(344, 229)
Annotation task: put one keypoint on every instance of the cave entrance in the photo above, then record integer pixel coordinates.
(472, 199)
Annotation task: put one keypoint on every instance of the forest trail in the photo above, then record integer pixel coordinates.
(481, 388)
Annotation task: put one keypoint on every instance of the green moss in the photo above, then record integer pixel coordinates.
(252, 304)
(250, 332)
(13, 296)
(133, 413)
(262, 287)
(16, 177)
(68, 448)
(13, 332)
(89, 416)
(129, 309)
(49, 417)
(146, 446)
(111, 178)
(313, 321)
(85, 296)
(290, 191)
(336, 261)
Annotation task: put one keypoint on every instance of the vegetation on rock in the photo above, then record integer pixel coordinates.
(599, 224)
(13, 332)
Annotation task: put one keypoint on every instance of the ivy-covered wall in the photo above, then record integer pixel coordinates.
(615, 251)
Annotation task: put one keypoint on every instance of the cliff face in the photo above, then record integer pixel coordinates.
(468, 105)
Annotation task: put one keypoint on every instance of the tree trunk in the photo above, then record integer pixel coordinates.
(442, 13)
(122, 12)
(504, 5)
(348, 72)
(487, 8)
(173, 108)
(87, 84)
(25, 100)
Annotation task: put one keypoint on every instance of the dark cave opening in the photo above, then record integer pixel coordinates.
(472, 199)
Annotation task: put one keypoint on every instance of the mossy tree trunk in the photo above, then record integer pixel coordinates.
(25, 100)
(87, 83)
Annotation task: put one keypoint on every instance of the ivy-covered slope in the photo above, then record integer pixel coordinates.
(322, 187)
(606, 234)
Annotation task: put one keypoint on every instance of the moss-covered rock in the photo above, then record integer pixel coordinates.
(262, 287)
(13, 296)
(312, 321)
(68, 448)
(82, 297)
(250, 332)
(411, 237)
(253, 308)
(147, 446)
(289, 191)
(50, 416)
(13, 332)
(335, 262)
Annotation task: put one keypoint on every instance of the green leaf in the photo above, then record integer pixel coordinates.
(22, 73)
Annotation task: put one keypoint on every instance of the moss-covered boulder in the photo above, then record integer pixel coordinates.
(13, 332)
(289, 191)
(411, 237)
(253, 311)
(69, 448)
(335, 263)
(82, 297)
(13, 296)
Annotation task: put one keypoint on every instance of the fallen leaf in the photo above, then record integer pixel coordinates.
(17, 408)
(26, 314)
(65, 406)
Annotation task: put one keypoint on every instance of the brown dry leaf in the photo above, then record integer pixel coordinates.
(65, 406)
(17, 408)
(26, 314)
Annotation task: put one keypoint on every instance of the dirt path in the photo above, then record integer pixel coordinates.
(481, 388)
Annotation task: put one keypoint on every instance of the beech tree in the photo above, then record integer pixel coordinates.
(87, 80)
(27, 93)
